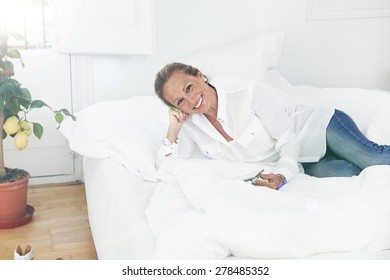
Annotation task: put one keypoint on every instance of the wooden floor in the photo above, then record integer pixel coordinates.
(59, 228)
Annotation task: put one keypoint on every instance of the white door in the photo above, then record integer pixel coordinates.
(47, 75)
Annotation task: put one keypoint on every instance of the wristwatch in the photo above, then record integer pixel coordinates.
(282, 177)
(282, 183)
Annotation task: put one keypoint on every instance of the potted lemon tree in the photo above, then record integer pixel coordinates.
(15, 104)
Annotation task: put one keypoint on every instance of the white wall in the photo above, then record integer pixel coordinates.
(182, 26)
(331, 53)
(328, 53)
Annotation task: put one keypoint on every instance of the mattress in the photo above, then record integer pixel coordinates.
(116, 201)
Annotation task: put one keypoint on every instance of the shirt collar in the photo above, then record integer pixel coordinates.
(222, 106)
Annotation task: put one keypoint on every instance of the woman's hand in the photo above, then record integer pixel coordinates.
(176, 120)
(270, 180)
(177, 117)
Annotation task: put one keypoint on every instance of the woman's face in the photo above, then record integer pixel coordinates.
(190, 94)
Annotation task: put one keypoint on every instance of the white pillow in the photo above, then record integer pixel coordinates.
(127, 131)
(248, 58)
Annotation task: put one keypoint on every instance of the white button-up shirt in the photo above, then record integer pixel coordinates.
(266, 126)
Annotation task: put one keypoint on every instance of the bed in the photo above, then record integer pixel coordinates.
(202, 209)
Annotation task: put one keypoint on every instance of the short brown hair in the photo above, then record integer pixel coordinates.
(165, 73)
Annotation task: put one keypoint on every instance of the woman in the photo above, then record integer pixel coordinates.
(253, 122)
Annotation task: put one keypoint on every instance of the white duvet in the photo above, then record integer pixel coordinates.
(202, 209)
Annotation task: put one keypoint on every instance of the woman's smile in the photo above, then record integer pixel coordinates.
(199, 103)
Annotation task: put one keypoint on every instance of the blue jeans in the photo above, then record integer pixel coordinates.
(348, 150)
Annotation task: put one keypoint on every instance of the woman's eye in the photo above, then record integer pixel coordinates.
(188, 88)
(180, 101)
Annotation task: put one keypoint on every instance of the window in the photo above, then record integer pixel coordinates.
(31, 18)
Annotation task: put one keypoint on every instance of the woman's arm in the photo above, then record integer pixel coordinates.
(172, 147)
(176, 120)
(279, 125)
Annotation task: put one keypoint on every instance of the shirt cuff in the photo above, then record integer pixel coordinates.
(167, 152)
(287, 167)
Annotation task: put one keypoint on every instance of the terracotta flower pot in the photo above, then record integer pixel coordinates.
(13, 203)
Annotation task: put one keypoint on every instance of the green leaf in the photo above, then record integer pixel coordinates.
(59, 117)
(24, 102)
(24, 97)
(38, 104)
(38, 130)
(13, 54)
(9, 87)
(14, 83)
(13, 105)
(8, 65)
(26, 93)
(67, 113)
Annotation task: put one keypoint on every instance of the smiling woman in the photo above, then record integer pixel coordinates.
(187, 91)
(253, 122)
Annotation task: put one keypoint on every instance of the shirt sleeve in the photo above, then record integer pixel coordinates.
(279, 125)
(183, 147)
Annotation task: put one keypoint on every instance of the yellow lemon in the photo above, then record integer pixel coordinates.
(11, 125)
(21, 140)
(26, 128)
